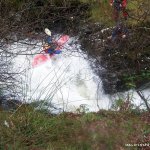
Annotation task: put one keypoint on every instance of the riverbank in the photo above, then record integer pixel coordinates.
(27, 128)
(122, 64)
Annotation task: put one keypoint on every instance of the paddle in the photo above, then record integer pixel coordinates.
(48, 32)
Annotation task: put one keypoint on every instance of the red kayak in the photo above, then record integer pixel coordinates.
(39, 59)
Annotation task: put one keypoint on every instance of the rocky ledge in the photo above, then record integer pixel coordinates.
(121, 64)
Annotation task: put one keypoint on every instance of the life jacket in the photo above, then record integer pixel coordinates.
(49, 40)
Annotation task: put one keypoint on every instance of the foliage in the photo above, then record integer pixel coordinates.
(83, 108)
(29, 129)
(132, 79)
(118, 104)
(123, 104)
(101, 11)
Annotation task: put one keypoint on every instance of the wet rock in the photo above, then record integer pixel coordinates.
(9, 104)
(124, 56)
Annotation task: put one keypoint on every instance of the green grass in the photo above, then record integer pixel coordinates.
(29, 129)
(102, 12)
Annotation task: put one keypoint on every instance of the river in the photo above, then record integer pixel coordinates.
(65, 81)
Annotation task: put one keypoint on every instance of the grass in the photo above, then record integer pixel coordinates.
(30, 129)
(102, 12)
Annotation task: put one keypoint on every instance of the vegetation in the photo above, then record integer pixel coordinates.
(127, 58)
(134, 78)
(29, 129)
(101, 11)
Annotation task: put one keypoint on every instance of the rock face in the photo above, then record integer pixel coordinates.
(8, 103)
(113, 60)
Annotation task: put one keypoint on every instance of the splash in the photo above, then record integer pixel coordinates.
(66, 81)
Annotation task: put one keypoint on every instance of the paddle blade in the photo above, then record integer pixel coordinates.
(48, 32)
(63, 39)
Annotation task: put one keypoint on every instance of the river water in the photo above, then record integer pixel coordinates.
(65, 81)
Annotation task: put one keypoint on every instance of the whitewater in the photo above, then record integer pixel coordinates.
(65, 81)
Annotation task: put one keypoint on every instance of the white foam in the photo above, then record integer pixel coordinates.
(66, 80)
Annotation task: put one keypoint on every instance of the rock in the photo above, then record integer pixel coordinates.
(117, 58)
(9, 104)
